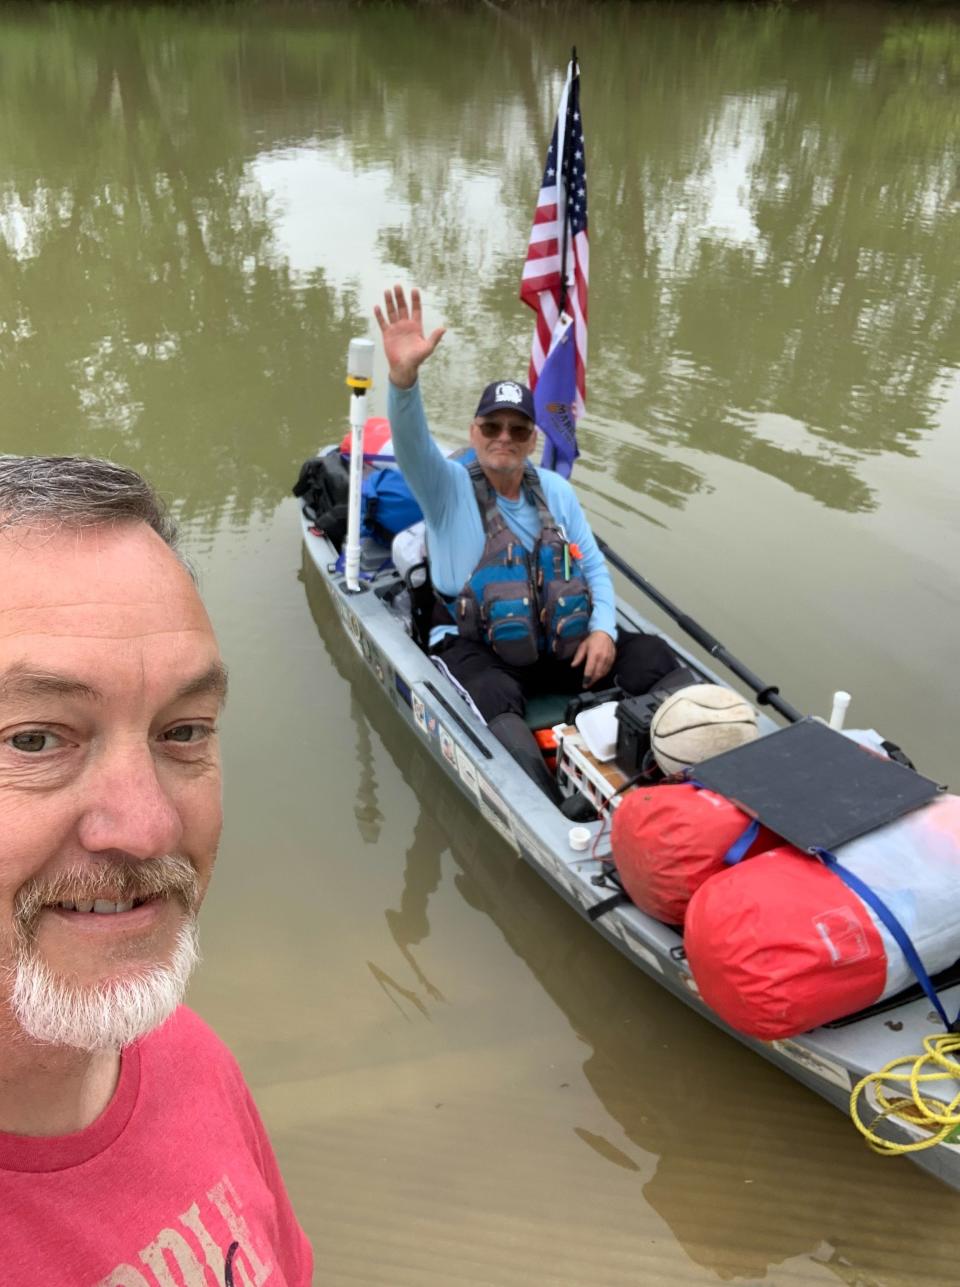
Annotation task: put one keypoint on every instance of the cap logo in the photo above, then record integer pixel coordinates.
(509, 392)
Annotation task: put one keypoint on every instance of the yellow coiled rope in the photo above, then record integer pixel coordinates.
(938, 1116)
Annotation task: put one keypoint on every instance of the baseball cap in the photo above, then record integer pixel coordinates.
(506, 395)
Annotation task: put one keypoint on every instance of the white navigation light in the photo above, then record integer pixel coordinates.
(838, 712)
(360, 360)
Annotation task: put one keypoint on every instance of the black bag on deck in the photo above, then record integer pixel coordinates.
(323, 486)
(635, 715)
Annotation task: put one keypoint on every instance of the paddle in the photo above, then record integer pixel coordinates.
(766, 694)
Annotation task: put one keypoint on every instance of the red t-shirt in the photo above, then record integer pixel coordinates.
(174, 1185)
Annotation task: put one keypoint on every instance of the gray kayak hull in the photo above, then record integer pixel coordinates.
(827, 1060)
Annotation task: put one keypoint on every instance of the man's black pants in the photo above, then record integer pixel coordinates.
(498, 689)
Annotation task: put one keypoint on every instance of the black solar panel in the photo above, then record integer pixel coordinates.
(813, 786)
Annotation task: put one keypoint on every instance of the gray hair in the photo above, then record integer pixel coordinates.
(76, 492)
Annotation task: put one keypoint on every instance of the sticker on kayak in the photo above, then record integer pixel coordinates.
(494, 810)
(640, 949)
(448, 746)
(496, 822)
(353, 626)
(468, 772)
(403, 688)
(493, 802)
(689, 982)
(419, 713)
(527, 852)
(826, 1069)
(372, 654)
(533, 850)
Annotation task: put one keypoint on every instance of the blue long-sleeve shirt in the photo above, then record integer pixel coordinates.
(455, 537)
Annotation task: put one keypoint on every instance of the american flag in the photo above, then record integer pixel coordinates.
(564, 187)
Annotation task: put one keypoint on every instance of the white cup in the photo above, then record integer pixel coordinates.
(579, 837)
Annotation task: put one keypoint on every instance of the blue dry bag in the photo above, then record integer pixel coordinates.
(388, 505)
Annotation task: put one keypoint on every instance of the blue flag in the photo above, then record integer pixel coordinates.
(555, 400)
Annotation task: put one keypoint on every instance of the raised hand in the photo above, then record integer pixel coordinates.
(404, 344)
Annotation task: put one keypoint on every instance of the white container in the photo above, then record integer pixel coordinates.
(598, 728)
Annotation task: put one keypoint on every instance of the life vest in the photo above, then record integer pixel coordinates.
(523, 605)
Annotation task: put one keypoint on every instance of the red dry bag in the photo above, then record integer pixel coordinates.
(781, 945)
(667, 840)
(377, 439)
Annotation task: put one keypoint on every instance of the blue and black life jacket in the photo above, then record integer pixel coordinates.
(522, 605)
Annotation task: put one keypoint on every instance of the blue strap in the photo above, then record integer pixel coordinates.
(743, 842)
(341, 564)
(903, 940)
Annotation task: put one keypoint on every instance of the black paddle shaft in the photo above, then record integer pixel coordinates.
(766, 694)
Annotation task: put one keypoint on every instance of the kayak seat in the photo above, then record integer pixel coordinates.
(546, 709)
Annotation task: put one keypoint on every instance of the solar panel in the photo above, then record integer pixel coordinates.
(813, 786)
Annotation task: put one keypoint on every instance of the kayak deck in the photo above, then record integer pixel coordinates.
(829, 1060)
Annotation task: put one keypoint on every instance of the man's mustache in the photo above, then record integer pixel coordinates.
(119, 879)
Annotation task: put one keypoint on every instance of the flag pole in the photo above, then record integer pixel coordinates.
(553, 282)
(564, 171)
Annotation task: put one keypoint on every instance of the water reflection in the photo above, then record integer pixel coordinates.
(797, 227)
(366, 810)
(749, 1170)
(408, 924)
(148, 315)
(192, 196)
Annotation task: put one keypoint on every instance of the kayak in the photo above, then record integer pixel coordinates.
(575, 859)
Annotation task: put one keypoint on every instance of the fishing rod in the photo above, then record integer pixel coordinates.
(766, 694)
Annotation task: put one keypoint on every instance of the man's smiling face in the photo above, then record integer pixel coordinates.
(503, 440)
(110, 688)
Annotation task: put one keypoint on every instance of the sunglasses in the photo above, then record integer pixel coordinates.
(519, 431)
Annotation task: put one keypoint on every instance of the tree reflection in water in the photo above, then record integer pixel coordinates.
(153, 320)
(775, 216)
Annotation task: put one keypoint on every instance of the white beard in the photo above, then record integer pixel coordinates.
(107, 1015)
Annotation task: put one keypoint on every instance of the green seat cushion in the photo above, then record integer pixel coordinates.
(546, 709)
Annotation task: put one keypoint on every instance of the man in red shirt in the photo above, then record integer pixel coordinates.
(131, 1153)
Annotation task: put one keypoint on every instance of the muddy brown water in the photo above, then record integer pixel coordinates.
(197, 208)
